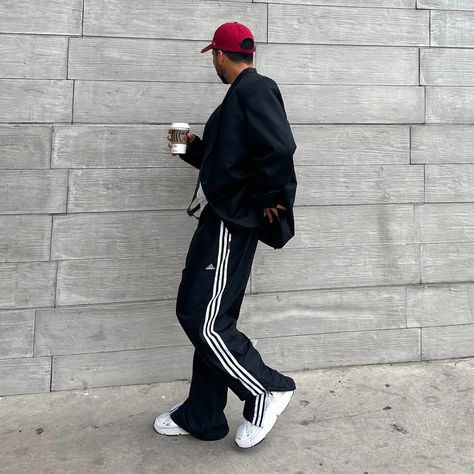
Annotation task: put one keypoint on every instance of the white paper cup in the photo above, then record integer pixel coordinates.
(178, 137)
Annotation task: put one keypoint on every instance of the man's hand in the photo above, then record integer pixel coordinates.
(189, 136)
(269, 211)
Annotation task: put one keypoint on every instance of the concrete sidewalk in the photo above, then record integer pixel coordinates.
(392, 418)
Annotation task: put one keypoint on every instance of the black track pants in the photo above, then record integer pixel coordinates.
(209, 298)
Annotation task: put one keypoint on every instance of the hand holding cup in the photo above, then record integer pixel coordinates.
(179, 137)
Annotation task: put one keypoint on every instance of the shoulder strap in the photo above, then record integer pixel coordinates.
(189, 210)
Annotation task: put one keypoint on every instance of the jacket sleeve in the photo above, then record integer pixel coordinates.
(194, 152)
(271, 143)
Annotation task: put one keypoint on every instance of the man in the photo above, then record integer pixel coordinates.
(246, 175)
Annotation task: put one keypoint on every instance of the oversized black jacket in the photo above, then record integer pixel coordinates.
(245, 156)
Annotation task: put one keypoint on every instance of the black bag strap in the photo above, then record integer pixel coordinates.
(192, 211)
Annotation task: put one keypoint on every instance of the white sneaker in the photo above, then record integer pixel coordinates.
(165, 425)
(248, 434)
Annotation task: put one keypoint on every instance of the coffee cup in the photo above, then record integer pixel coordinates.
(179, 139)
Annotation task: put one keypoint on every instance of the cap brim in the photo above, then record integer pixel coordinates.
(207, 48)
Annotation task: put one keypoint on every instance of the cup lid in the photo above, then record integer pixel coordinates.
(180, 125)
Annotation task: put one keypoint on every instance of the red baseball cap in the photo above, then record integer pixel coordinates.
(234, 37)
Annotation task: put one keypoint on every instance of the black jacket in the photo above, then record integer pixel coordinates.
(245, 156)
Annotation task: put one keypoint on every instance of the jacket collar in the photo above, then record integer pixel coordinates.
(242, 74)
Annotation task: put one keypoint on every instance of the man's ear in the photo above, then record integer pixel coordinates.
(220, 55)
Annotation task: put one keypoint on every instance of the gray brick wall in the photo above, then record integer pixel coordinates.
(93, 229)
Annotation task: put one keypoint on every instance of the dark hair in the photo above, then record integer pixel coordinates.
(237, 57)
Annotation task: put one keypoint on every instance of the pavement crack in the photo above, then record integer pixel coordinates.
(353, 415)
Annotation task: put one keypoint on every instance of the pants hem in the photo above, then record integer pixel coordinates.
(200, 435)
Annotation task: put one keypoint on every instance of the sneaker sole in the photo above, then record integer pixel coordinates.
(281, 408)
(243, 447)
(169, 431)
